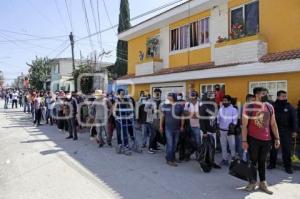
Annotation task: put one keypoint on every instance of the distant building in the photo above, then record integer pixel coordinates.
(61, 73)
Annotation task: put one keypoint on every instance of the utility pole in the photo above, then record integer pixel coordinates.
(73, 59)
(72, 48)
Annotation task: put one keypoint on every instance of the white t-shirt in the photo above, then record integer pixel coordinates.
(193, 108)
(15, 96)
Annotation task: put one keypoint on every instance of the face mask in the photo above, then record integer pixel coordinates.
(264, 98)
(167, 101)
(226, 104)
(69, 96)
(179, 98)
(282, 101)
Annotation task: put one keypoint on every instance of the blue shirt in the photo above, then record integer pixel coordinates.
(172, 115)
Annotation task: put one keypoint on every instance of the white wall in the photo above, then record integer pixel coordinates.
(164, 45)
(250, 51)
(218, 24)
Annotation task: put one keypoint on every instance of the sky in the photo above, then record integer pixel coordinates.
(30, 28)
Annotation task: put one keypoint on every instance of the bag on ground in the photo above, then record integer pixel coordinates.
(243, 169)
(206, 153)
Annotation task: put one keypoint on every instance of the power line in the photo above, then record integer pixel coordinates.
(58, 47)
(107, 14)
(41, 14)
(87, 22)
(70, 18)
(99, 24)
(25, 40)
(132, 19)
(31, 35)
(95, 20)
(60, 15)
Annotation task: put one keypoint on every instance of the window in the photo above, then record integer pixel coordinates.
(272, 86)
(191, 35)
(206, 89)
(248, 17)
(153, 46)
(56, 69)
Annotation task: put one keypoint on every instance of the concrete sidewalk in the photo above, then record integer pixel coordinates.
(38, 163)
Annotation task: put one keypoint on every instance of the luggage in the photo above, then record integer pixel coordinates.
(206, 153)
(243, 169)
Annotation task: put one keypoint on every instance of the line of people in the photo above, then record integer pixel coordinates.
(259, 127)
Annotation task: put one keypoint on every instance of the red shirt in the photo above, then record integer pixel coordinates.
(259, 123)
(219, 96)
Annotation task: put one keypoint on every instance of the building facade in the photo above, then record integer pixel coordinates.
(61, 74)
(238, 44)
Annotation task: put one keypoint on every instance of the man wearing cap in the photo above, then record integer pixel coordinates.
(121, 113)
(172, 123)
(192, 109)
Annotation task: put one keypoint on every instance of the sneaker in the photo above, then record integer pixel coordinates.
(289, 170)
(173, 164)
(151, 151)
(264, 187)
(250, 187)
(69, 137)
(224, 163)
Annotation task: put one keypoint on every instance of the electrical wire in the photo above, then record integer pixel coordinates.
(99, 24)
(58, 47)
(132, 19)
(87, 23)
(70, 18)
(107, 14)
(41, 14)
(60, 15)
(95, 20)
(31, 35)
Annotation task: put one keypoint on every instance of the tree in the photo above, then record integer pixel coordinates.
(120, 67)
(39, 72)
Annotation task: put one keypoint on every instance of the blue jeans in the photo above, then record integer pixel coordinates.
(196, 134)
(26, 107)
(238, 145)
(6, 103)
(147, 130)
(172, 137)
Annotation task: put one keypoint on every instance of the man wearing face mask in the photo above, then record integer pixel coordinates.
(287, 125)
(70, 113)
(227, 115)
(258, 124)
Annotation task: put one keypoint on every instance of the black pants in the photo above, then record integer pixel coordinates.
(72, 127)
(258, 151)
(14, 102)
(38, 115)
(286, 143)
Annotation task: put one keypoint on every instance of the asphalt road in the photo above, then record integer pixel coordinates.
(38, 163)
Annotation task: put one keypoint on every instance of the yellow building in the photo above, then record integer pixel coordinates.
(239, 44)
